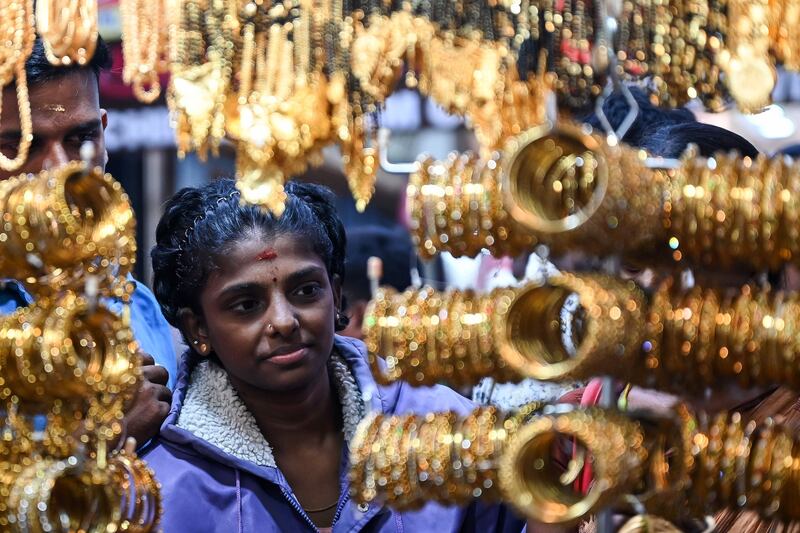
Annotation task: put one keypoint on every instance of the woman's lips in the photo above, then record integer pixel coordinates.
(288, 358)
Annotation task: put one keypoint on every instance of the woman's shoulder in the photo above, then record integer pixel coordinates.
(437, 398)
(400, 397)
(170, 461)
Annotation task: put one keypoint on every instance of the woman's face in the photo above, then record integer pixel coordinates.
(269, 313)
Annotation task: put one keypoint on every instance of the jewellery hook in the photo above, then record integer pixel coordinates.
(543, 252)
(608, 25)
(374, 274)
(87, 153)
(383, 155)
(92, 291)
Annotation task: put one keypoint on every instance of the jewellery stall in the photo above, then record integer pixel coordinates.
(280, 80)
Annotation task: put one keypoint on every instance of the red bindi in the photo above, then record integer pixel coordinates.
(267, 255)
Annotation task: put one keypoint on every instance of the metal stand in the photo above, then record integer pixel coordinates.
(604, 517)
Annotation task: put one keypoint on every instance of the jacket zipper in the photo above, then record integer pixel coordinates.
(341, 507)
(297, 507)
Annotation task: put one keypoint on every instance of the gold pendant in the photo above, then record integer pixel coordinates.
(195, 92)
(260, 184)
(751, 80)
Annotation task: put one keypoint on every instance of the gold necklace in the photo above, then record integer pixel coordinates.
(145, 35)
(68, 29)
(13, 31)
(784, 38)
(321, 509)
(751, 72)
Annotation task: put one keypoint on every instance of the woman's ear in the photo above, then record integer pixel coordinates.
(194, 329)
(340, 320)
(336, 286)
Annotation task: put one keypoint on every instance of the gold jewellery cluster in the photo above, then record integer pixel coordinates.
(64, 225)
(679, 466)
(676, 339)
(283, 79)
(568, 188)
(69, 364)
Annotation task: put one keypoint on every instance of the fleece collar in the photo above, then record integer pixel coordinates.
(213, 411)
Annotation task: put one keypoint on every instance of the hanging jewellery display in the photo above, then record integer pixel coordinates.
(679, 466)
(459, 336)
(679, 340)
(281, 80)
(94, 235)
(145, 45)
(479, 59)
(568, 188)
(487, 454)
(455, 206)
(749, 69)
(579, 191)
(69, 365)
(508, 55)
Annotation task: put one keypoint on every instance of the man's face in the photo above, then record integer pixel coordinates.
(65, 113)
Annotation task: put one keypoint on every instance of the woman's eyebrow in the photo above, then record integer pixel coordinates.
(240, 287)
(305, 273)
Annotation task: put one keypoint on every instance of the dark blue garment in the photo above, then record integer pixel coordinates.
(149, 326)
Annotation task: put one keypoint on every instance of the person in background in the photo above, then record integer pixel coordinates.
(268, 394)
(66, 114)
(393, 247)
(616, 108)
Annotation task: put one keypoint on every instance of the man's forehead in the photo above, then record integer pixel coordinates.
(61, 103)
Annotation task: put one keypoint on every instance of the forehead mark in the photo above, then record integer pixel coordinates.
(267, 255)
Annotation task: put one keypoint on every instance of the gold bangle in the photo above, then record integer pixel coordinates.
(612, 336)
(363, 488)
(141, 489)
(530, 481)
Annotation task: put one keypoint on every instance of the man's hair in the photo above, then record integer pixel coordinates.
(38, 68)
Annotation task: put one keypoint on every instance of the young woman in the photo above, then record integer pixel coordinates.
(268, 395)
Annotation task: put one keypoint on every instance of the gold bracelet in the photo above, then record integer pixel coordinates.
(530, 481)
(612, 337)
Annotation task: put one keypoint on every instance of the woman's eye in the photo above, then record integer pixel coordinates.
(244, 306)
(312, 289)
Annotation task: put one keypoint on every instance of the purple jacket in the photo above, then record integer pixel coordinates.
(205, 489)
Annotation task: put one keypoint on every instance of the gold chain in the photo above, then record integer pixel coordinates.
(68, 29)
(145, 32)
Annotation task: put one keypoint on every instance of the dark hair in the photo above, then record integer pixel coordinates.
(391, 245)
(793, 151)
(200, 224)
(38, 68)
(671, 140)
(616, 108)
